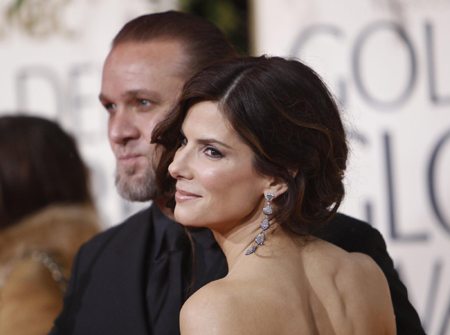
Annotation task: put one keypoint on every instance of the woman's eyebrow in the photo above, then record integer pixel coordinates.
(212, 140)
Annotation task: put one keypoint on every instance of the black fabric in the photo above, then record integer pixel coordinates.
(169, 259)
(134, 278)
(105, 292)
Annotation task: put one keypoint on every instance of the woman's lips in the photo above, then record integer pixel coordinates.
(183, 196)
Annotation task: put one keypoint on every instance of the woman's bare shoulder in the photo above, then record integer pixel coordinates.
(350, 270)
(365, 289)
(352, 287)
(217, 308)
(360, 276)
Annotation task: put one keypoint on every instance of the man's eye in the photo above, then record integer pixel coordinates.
(144, 102)
(213, 152)
(110, 107)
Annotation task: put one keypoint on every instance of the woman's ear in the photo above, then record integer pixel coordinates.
(277, 187)
(293, 173)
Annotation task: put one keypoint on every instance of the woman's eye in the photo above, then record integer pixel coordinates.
(213, 152)
(183, 140)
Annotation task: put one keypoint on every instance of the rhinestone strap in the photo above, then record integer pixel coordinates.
(54, 267)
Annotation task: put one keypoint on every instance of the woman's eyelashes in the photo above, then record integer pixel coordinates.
(212, 152)
(207, 149)
(182, 140)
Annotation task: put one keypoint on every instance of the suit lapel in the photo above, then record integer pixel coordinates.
(111, 288)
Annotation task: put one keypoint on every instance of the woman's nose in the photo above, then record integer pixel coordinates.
(179, 168)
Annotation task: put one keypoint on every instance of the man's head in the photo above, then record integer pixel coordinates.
(151, 58)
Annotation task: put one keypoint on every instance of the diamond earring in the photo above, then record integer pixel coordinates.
(265, 224)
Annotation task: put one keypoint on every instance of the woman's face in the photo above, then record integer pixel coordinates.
(217, 186)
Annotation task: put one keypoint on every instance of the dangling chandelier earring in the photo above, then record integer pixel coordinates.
(265, 224)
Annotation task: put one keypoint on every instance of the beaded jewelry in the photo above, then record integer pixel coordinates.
(265, 224)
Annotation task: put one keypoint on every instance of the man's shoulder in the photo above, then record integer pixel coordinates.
(348, 233)
(355, 225)
(106, 277)
(343, 224)
(137, 224)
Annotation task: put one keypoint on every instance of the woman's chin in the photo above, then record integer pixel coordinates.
(186, 219)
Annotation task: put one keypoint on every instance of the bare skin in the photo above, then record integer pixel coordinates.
(286, 287)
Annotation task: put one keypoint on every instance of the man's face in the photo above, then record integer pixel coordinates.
(141, 81)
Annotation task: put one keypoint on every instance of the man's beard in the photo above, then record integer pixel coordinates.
(134, 188)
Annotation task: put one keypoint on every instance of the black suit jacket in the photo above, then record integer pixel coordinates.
(126, 280)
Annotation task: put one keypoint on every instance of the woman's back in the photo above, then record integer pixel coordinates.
(292, 289)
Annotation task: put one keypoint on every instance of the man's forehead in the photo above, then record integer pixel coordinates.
(165, 53)
(152, 70)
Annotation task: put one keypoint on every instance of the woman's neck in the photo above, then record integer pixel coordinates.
(237, 241)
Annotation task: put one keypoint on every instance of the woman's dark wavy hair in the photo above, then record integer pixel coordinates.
(284, 112)
(39, 165)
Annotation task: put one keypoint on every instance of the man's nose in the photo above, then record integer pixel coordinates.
(122, 127)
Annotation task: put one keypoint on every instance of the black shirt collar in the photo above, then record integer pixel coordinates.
(171, 236)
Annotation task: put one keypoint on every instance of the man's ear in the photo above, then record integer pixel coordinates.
(276, 187)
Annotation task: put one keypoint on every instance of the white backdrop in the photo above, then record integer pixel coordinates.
(51, 58)
(387, 63)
